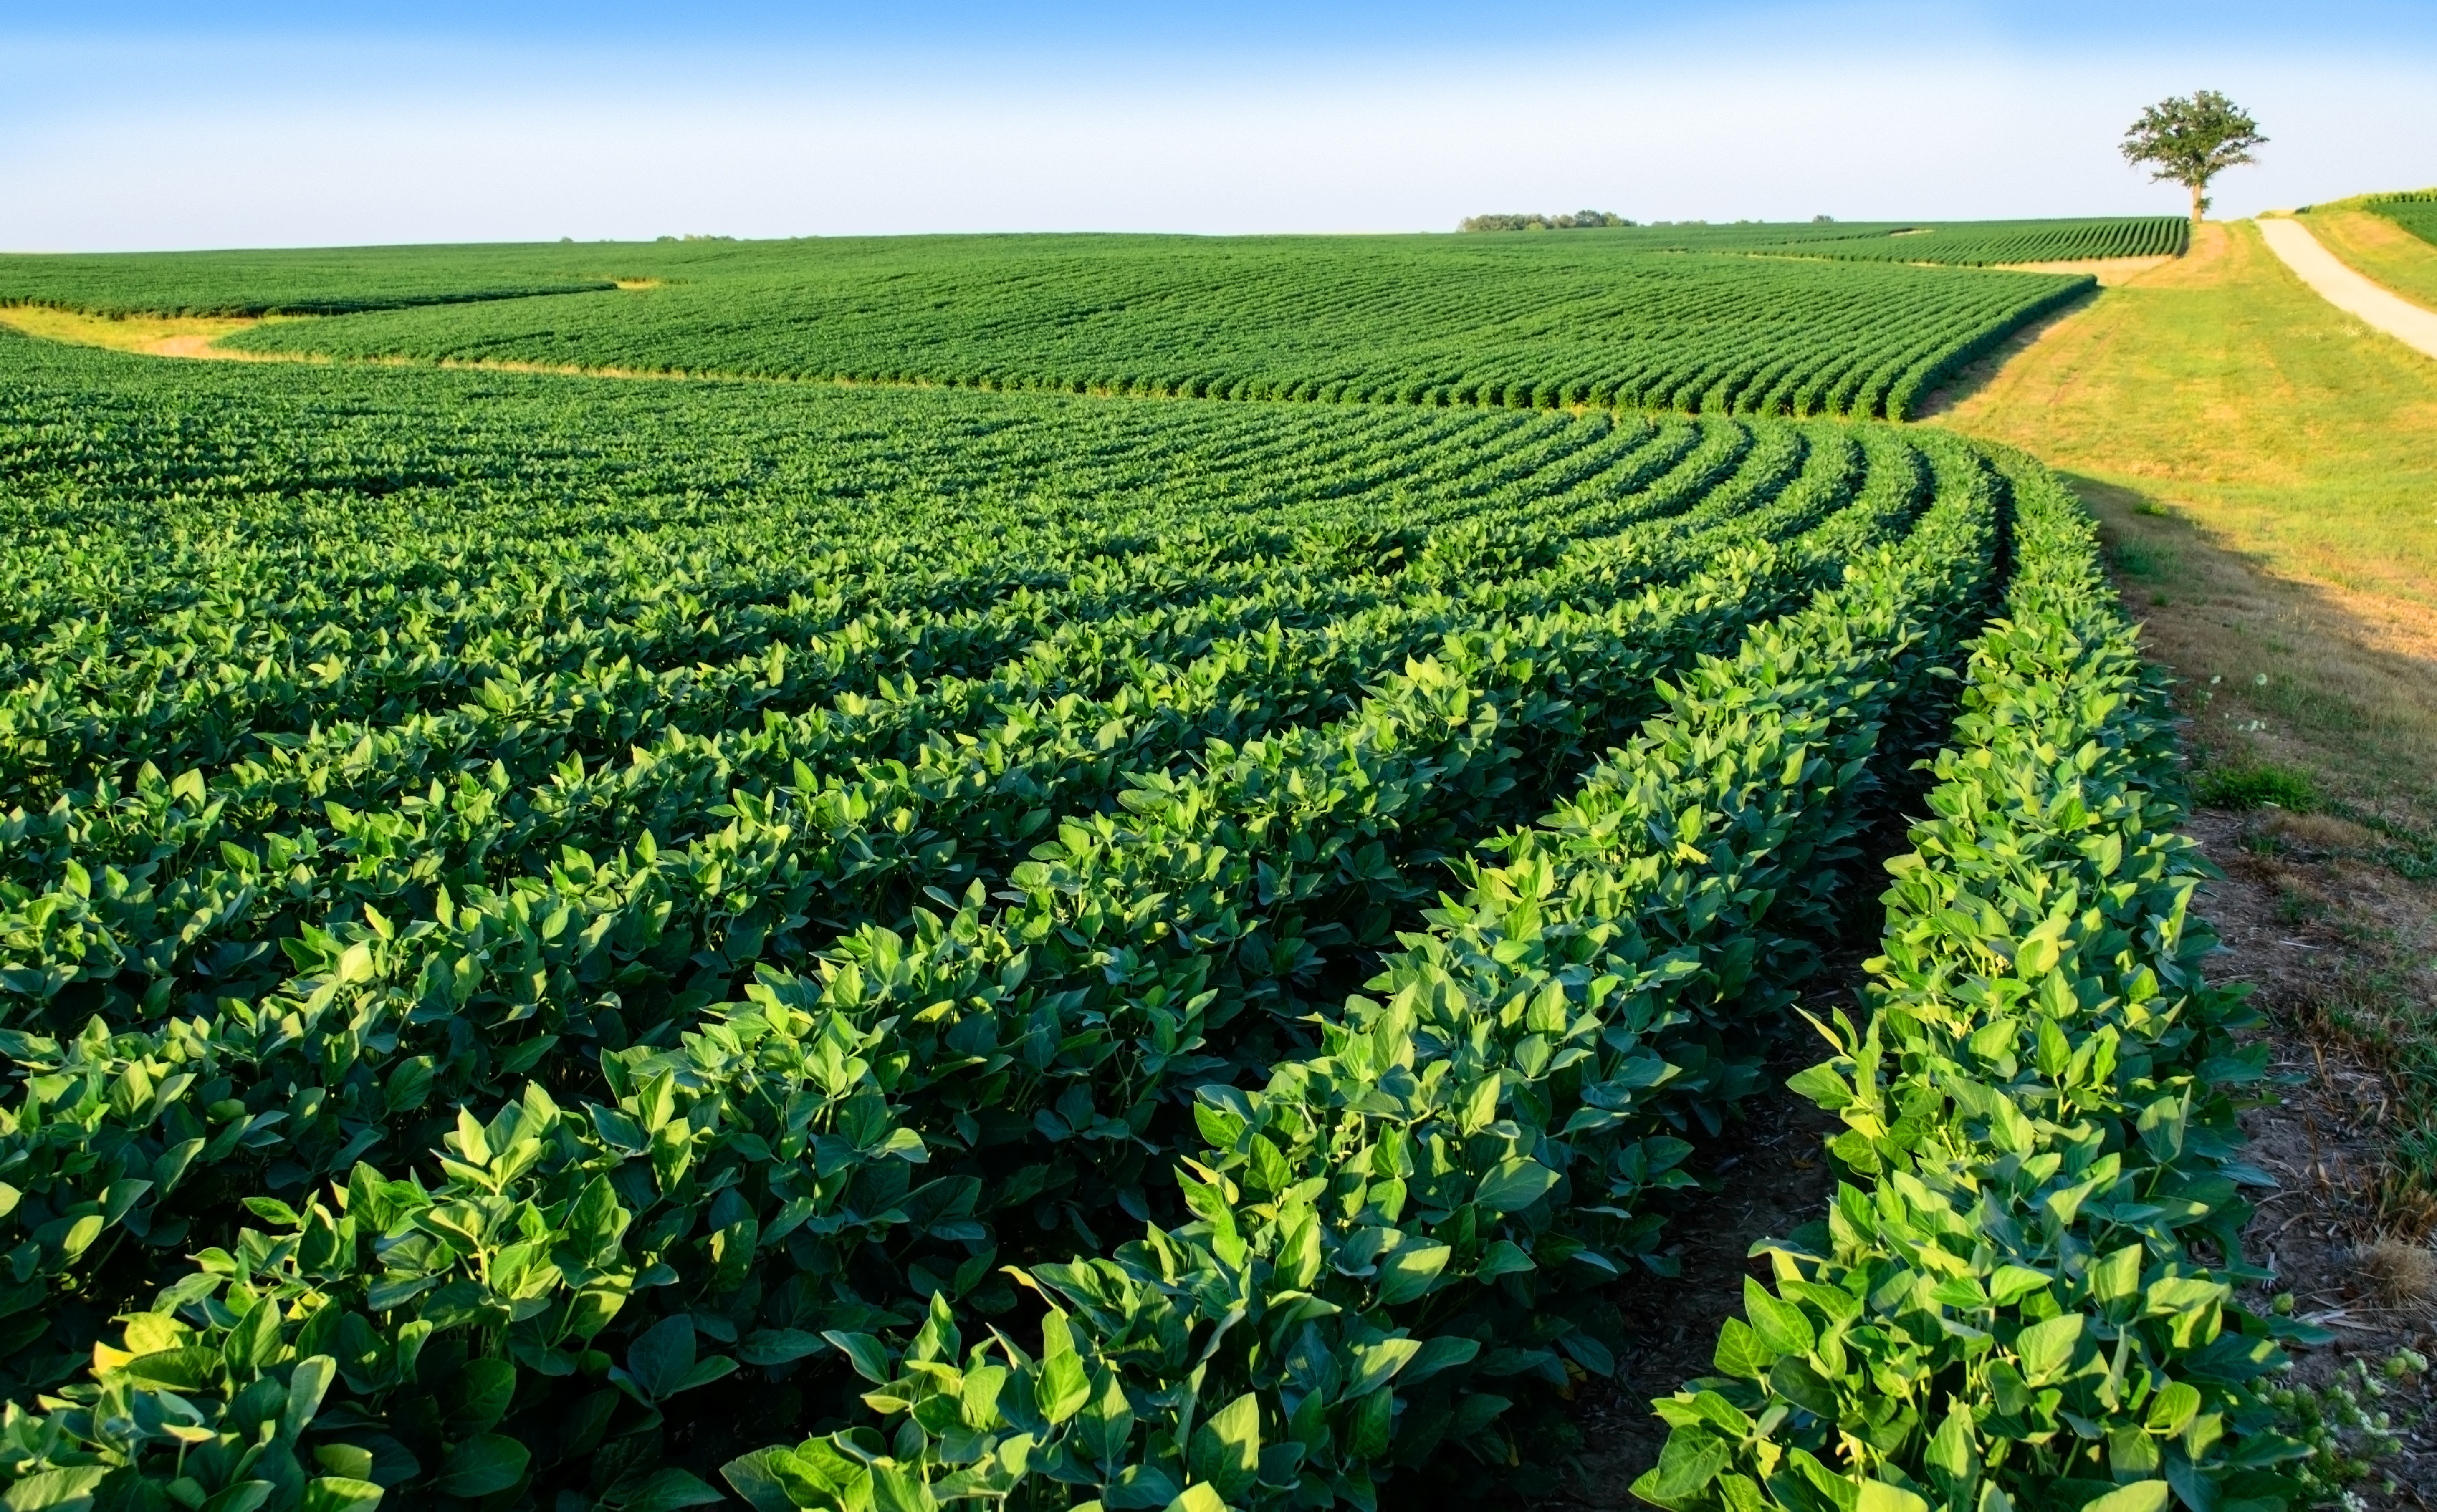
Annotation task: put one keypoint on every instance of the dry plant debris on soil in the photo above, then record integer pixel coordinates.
(2338, 951)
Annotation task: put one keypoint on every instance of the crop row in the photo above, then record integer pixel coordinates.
(205, 573)
(2024, 1295)
(817, 846)
(854, 998)
(855, 787)
(134, 895)
(1391, 1236)
(1979, 243)
(751, 1187)
(1349, 322)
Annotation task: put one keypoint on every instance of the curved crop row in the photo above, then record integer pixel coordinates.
(412, 1099)
(1390, 1235)
(140, 895)
(1348, 320)
(587, 1011)
(539, 1304)
(2023, 1294)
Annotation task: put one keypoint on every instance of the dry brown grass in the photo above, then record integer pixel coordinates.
(160, 335)
(2110, 272)
(2399, 1273)
(2322, 834)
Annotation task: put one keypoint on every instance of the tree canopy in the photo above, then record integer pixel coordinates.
(2191, 139)
(1537, 222)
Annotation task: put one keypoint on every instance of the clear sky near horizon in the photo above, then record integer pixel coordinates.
(145, 123)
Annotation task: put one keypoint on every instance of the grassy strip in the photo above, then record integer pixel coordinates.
(2260, 468)
(2381, 248)
(2013, 1302)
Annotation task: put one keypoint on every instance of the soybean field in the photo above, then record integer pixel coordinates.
(576, 944)
(1509, 322)
(1984, 243)
(330, 281)
(1735, 320)
(2415, 212)
(308, 282)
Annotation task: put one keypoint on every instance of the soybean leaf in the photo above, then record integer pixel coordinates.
(1512, 1186)
(481, 1465)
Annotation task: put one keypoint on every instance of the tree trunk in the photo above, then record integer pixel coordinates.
(2197, 206)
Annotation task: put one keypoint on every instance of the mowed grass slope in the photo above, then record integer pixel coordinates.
(2266, 469)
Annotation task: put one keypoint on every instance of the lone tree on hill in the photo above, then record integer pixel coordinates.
(2190, 141)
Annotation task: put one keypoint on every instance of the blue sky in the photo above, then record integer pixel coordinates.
(1287, 24)
(128, 124)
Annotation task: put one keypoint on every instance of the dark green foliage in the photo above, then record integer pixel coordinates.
(2190, 139)
(2023, 1295)
(1505, 321)
(1579, 221)
(560, 909)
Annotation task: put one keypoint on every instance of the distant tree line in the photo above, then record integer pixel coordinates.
(1579, 218)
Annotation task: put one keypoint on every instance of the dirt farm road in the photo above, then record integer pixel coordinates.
(2347, 290)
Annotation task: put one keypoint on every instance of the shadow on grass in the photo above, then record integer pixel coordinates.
(2274, 671)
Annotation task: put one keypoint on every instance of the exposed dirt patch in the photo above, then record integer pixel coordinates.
(2342, 953)
(2304, 920)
